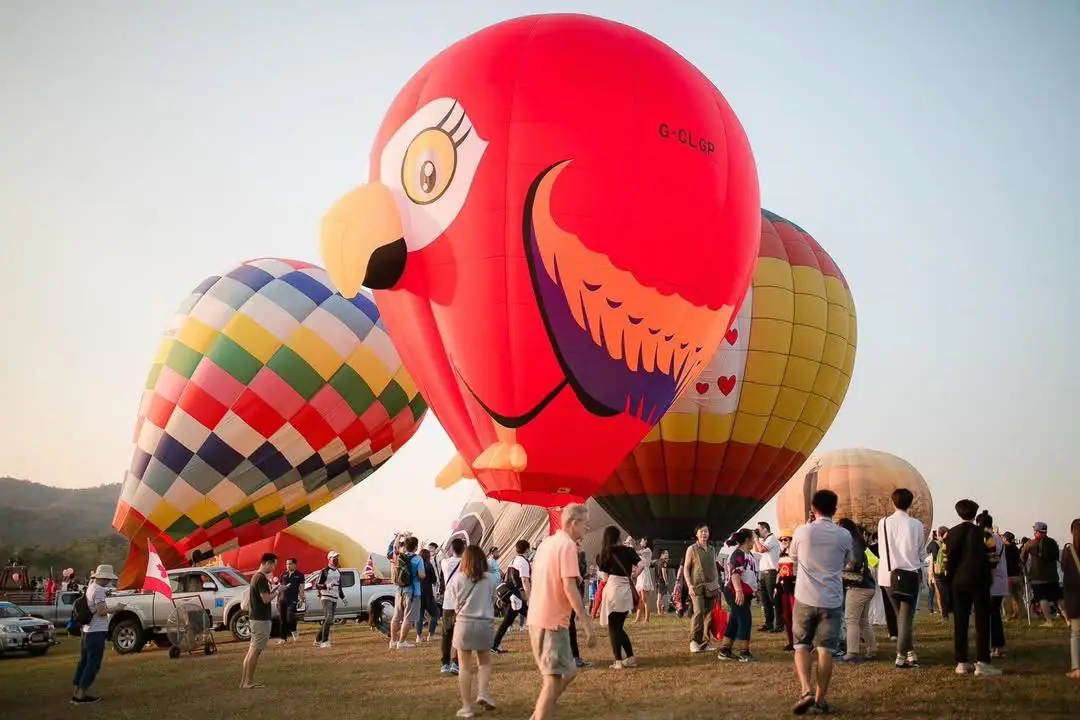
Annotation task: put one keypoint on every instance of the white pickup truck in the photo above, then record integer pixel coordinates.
(145, 616)
(363, 595)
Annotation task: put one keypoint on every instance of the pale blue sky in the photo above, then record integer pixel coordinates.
(929, 146)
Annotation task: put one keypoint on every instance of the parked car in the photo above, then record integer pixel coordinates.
(361, 595)
(22, 632)
(145, 616)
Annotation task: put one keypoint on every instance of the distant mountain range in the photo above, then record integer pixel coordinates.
(32, 514)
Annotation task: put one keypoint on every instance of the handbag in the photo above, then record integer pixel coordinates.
(904, 583)
(633, 590)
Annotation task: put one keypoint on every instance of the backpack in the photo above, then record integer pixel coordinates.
(1049, 551)
(503, 593)
(81, 615)
(403, 570)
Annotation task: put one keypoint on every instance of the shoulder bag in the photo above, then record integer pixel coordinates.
(904, 583)
(633, 590)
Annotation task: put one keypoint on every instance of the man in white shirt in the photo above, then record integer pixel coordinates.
(95, 633)
(519, 574)
(820, 550)
(449, 568)
(901, 539)
(767, 548)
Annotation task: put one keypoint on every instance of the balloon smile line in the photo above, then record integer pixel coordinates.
(513, 421)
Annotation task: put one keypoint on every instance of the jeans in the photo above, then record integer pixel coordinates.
(329, 607)
(90, 656)
(508, 622)
(1074, 643)
(447, 635)
(702, 608)
(930, 594)
(767, 598)
(573, 636)
(905, 622)
(620, 641)
(739, 618)
(429, 606)
(997, 627)
(286, 619)
(857, 614)
(964, 601)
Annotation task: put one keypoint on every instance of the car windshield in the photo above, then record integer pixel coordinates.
(230, 578)
(8, 611)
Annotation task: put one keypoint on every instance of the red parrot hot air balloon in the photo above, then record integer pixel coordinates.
(561, 220)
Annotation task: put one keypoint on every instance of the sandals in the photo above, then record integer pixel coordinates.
(804, 704)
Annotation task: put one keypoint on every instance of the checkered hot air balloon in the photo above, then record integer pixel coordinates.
(759, 408)
(270, 395)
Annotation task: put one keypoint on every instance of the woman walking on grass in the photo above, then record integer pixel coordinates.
(470, 594)
(617, 601)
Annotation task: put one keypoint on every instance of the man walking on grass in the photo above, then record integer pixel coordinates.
(260, 597)
(821, 551)
(555, 595)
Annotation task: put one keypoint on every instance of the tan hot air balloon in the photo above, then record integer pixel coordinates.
(863, 479)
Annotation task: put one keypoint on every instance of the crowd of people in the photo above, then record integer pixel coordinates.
(817, 583)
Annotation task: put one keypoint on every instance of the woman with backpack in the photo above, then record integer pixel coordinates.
(860, 588)
(469, 595)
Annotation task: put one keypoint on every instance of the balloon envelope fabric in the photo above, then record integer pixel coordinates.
(269, 396)
(760, 407)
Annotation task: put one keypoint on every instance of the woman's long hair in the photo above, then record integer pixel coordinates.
(608, 541)
(1075, 527)
(474, 563)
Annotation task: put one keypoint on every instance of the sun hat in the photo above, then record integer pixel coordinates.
(104, 572)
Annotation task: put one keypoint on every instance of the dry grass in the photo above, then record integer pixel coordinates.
(360, 678)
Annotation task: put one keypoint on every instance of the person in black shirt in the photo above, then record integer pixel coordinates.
(968, 571)
(617, 602)
(260, 597)
(292, 583)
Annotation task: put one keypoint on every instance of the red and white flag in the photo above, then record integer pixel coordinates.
(369, 569)
(157, 579)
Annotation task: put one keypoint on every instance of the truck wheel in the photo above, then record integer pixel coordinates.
(128, 636)
(240, 626)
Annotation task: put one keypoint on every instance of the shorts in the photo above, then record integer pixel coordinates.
(470, 634)
(260, 633)
(815, 626)
(551, 650)
(1048, 591)
(1016, 588)
(406, 607)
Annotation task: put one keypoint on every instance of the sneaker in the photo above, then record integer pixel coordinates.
(726, 654)
(964, 668)
(617, 665)
(912, 658)
(630, 662)
(986, 670)
(86, 700)
(454, 668)
(466, 713)
(445, 670)
(892, 638)
(485, 702)
(393, 644)
(405, 646)
(902, 663)
(746, 656)
(696, 647)
(581, 663)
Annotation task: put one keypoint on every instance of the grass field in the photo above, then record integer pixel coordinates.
(371, 682)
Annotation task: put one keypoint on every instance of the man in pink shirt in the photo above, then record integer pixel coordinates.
(554, 596)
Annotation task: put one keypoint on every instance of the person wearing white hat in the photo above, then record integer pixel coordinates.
(330, 591)
(95, 633)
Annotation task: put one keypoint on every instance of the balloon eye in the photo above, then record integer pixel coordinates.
(429, 165)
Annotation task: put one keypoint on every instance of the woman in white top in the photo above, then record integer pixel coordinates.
(94, 634)
(644, 584)
(470, 594)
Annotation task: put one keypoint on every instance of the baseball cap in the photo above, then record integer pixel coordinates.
(332, 554)
(1040, 527)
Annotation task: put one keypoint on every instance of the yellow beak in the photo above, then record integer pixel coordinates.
(362, 242)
